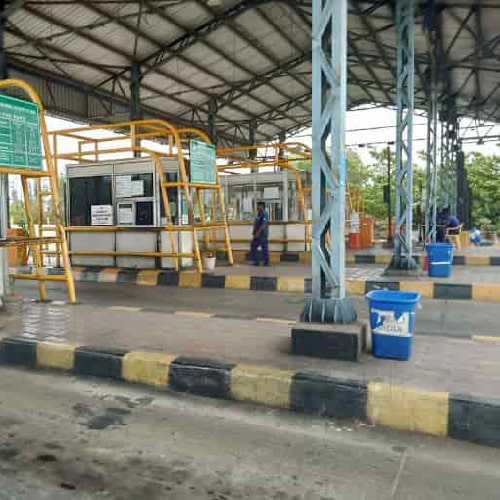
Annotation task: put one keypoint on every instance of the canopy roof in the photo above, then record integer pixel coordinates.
(247, 60)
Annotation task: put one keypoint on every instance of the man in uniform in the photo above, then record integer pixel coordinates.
(260, 236)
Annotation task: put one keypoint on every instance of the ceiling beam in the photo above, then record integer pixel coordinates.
(222, 54)
(240, 32)
(151, 40)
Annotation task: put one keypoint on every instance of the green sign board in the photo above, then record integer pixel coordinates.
(20, 145)
(203, 167)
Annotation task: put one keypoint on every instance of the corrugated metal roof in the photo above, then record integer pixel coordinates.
(250, 57)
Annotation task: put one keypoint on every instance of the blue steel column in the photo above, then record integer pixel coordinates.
(432, 127)
(431, 168)
(329, 303)
(402, 258)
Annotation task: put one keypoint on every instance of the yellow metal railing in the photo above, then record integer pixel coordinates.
(90, 149)
(34, 241)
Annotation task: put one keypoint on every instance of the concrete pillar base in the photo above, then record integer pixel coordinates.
(331, 341)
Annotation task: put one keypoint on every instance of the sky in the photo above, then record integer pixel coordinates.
(376, 126)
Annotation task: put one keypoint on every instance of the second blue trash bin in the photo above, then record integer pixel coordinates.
(440, 256)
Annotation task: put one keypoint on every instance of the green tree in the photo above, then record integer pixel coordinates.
(483, 173)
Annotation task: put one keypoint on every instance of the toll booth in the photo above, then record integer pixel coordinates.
(285, 204)
(116, 215)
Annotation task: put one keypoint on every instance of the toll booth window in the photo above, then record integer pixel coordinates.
(85, 192)
(172, 193)
(144, 183)
(144, 213)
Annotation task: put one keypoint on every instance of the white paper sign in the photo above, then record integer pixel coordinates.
(126, 214)
(101, 215)
(355, 222)
(271, 193)
(137, 188)
(247, 204)
(123, 186)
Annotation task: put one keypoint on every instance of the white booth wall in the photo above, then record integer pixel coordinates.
(279, 191)
(127, 195)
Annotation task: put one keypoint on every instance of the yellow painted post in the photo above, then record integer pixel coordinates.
(227, 237)
(37, 257)
(185, 186)
(206, 234)
(166, 206)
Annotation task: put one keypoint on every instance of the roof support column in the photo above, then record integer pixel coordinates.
(329, 303)
(135, 102)
(402, 259)
(281, 150)
(4, 179)
(212, 117)
(449, 141)
(463, 191)
(3, 22)
(431, 168)
(281, 140)
(252, 131)
(432, 128)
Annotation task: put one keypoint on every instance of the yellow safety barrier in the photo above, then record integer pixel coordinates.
(91, 150)
(36, 242)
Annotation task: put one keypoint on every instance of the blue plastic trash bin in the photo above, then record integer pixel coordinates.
(392, 322)
(440, 256)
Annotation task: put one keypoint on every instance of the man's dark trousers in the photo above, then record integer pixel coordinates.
(254, 247)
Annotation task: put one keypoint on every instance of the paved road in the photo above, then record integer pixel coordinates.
(64, 438)
(437, 317)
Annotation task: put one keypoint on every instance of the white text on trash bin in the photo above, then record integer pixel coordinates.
(392, 323)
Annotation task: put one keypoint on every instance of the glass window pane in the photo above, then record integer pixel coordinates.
(85, 192)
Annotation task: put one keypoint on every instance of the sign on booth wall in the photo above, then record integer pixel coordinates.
(20, 143)
(202, 166)
(123, 186)
(272, 193)
(101, 215)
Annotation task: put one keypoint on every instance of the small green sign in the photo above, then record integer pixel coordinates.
(20, 144)
(203, 167)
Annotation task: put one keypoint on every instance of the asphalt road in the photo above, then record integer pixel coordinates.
(66, 438)
(452, 318)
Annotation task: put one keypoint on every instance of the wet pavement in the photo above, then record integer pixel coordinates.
(74, 439)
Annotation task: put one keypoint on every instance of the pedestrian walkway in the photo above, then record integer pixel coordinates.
(438, 364)
(436, 317)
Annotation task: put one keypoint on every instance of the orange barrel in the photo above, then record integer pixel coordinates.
(18, 256)
(354, 235)
(367, 231)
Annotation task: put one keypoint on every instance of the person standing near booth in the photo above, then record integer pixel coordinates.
(260, 235)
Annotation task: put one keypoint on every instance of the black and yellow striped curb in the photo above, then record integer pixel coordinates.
(375, 402)
(458, 260)
(241, 256)
(292, 284)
